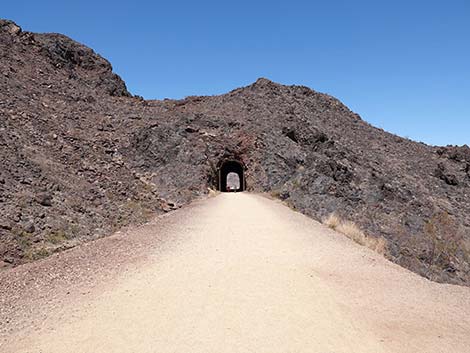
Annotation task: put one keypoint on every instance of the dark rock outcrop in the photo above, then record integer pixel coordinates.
(69, 130)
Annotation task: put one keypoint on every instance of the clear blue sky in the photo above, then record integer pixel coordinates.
(403, 65)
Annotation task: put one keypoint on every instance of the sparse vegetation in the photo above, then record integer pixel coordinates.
(138, 210)
(29, 250)
(332, 221)
(212, 192)
(290, 204)
(353, 232)
(296, 184)
(131, 212)
(57, 237)
(36, 254)
(445, 243)
(24, 240)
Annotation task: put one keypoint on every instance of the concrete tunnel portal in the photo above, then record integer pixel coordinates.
(231, 176)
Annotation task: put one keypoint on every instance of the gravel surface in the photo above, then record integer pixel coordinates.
(236, 273)
(29, 293)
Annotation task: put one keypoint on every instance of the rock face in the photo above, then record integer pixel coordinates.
(62, 179)
(81, 158)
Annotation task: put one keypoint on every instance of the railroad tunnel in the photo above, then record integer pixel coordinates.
(231, 176)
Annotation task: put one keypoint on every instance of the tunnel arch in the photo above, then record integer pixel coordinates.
(231, 166)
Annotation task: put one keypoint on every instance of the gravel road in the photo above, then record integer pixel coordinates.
(234, 273)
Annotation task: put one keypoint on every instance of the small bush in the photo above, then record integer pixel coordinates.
(57, 237)
(332, 221)
(445, 243)
(290, 204)
(37, 254)
(353, 232)
(212, 192)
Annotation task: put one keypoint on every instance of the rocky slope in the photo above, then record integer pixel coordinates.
(81, 157)
(63, 179)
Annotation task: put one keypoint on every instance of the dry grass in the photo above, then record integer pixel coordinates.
(332, 221)
(445, 243)
(57, 237)
(353, 232)
(212, 192)
(37, 254)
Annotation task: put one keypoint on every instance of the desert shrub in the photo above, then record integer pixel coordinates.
(134, 209)
(290, 204)
(353, 232)
(444, 242)
(212, 192)
(332, 221)
(296, 184)
(57, 237)
(36, 254)
(23, 239)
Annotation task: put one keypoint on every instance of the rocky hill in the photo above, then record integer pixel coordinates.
(81, 158)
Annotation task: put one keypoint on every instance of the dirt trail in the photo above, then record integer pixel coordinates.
(247, 274)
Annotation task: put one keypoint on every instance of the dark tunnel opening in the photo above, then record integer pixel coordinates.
(231, 176)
